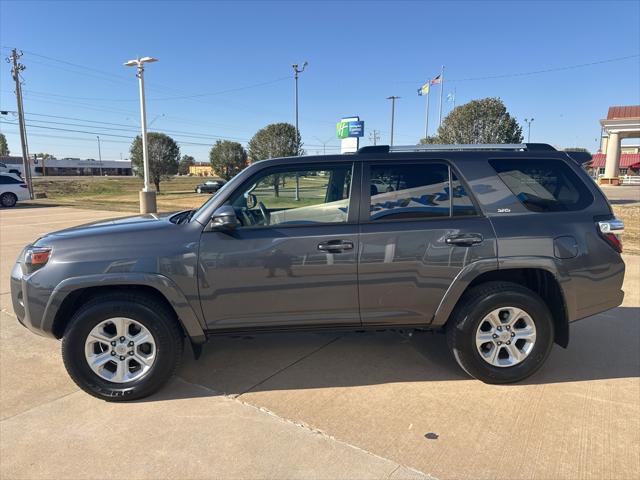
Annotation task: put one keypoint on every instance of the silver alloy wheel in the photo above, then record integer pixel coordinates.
(120, 350)
(506, 336)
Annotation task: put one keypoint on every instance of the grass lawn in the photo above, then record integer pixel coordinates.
(117, 193)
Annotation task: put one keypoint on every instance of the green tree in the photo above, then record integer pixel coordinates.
(164, 157)
(4, 148)
(479, 121)
(44, 156)
(227, 158)
(273, 141)
(185, 162)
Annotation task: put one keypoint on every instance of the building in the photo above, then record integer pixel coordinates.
(622, 122)
(71, 166)
(201, 169)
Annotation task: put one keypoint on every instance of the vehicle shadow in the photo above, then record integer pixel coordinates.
(605, 346)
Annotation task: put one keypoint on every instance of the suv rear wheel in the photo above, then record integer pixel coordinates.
(500, 332)
(122, 346)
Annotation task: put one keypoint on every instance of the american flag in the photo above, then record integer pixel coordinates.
(436, 80)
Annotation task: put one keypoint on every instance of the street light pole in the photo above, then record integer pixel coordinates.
(147, 196)
(296, 73)
(529, 121)
(393, 99)
(99, 154)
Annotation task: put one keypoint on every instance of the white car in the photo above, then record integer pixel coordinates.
(6, 169)
(12, 189)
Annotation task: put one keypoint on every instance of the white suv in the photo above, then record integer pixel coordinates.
(12, 189)
(5, 169)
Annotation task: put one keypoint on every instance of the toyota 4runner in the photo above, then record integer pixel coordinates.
(501, 247)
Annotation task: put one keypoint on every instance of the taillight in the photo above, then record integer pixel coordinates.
(36, 257)
(611, 230)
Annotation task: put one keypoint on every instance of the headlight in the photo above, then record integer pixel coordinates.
(36, 257)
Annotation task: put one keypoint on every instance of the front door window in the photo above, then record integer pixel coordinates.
(296, 197)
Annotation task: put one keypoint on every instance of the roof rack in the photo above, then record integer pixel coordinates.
(455, 147)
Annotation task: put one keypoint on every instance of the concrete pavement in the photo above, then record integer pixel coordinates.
(323, 405)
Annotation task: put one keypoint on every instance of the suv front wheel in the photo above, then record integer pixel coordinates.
(500, 332)
(122, 346)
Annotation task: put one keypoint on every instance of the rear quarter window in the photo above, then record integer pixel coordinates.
(543, 185)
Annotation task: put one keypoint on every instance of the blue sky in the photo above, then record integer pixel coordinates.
(359, 53)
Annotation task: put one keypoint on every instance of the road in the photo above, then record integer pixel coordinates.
(380, 405)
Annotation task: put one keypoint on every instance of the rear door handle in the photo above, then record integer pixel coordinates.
(335, 246)
(464, 239)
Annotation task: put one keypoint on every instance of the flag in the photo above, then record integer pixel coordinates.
(424, 89)
(436, 80)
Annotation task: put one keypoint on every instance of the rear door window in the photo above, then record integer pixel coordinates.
(413, 191)
(543, 185)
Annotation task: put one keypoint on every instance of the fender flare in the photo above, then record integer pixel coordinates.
(165, 286)
(469, 273)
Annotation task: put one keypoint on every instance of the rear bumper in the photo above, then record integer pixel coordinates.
(612, 301)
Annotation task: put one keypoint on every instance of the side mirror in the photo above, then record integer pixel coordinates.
(224, 218)
(252, 200)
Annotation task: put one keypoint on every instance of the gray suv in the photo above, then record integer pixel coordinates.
(501, 247)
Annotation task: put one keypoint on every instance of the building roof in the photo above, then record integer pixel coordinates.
(627, 160)
(620, 112)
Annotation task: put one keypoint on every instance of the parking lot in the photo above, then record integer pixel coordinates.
(358, 405)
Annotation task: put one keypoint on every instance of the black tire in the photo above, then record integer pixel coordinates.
(154, 315)
(471, 310)
(8, 199)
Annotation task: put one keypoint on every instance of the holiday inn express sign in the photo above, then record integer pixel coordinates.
(350, 129)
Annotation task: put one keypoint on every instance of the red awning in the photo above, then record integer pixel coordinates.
(627, 160)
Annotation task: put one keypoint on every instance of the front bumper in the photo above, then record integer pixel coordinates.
(30, 302)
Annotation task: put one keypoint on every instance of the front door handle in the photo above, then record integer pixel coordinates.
(335, 246)
(464, 239)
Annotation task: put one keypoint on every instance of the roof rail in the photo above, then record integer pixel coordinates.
(456, 147)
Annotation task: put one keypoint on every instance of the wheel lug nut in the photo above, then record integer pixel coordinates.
(122, 339)
(508, 342)
(499, 343)
(499, 329)
(508, 327)
(113, 343)
(121, 357)
(513, 334)
(130, 352)
(113, 353)
(495, 335)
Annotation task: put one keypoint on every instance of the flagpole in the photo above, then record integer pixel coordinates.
(441, 90)
(426, 126)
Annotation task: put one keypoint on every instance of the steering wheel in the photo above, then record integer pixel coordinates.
(265, 213)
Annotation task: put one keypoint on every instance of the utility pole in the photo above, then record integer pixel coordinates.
(15, 71)
(529, 121)
(99, 154)
(374, 136)
(296, 73)
(393, 99)
(324, 144)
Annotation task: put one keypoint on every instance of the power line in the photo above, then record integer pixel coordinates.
(537, 72)
(102, 131)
